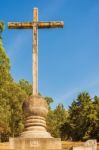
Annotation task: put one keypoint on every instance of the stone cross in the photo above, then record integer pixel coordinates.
(35, 25)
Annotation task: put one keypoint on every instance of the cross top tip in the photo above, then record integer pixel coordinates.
(35, 8)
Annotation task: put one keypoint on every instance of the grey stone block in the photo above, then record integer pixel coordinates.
(88, 145)
(35, 144)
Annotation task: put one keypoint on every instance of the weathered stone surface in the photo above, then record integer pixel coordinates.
(36, 110)
(35, 105)
(35, 25)
(35, 54)
(35, 144)
(92, 143)
(40, 25)
(88, 145)
(82, 148)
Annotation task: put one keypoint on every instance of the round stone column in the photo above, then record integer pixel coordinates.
(35, 109)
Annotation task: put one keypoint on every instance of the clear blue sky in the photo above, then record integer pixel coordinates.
(68, 58)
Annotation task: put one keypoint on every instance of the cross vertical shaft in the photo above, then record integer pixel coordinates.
(35, 25)
(35, 54)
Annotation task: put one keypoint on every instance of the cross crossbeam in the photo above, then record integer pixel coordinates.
(35, 25)
(30, 25)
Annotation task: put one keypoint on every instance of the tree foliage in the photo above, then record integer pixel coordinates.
(5, 79)
(83, 120)
(1, 27)
(26, 87)
(11, 99)
(55, 119)
(49, 100)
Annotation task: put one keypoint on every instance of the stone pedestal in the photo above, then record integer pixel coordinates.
(88, 145)
(35, 144)
(35, 135)
(36, 110)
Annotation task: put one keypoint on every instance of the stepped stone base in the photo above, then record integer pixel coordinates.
(35, 144)
(35, 135)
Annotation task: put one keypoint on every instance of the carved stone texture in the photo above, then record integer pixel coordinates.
(88, 145)
(36, 110)
(35, 106)
(35, 144)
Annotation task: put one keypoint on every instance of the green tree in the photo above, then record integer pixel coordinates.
(11, 98)
(61, 116)
(55, 119)
(82, 117)
(93, 129)
(16, 99)
(51, 122)
(66, 130)
(26, 87)
(5, 79)
(49, 100)
(1, 26)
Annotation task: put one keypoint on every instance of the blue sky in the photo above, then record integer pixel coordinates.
(68, 58)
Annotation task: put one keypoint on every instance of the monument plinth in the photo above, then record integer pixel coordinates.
(35, 135)
(36, 110)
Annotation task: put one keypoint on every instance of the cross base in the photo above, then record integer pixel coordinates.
(35, 144)
(35, 135)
